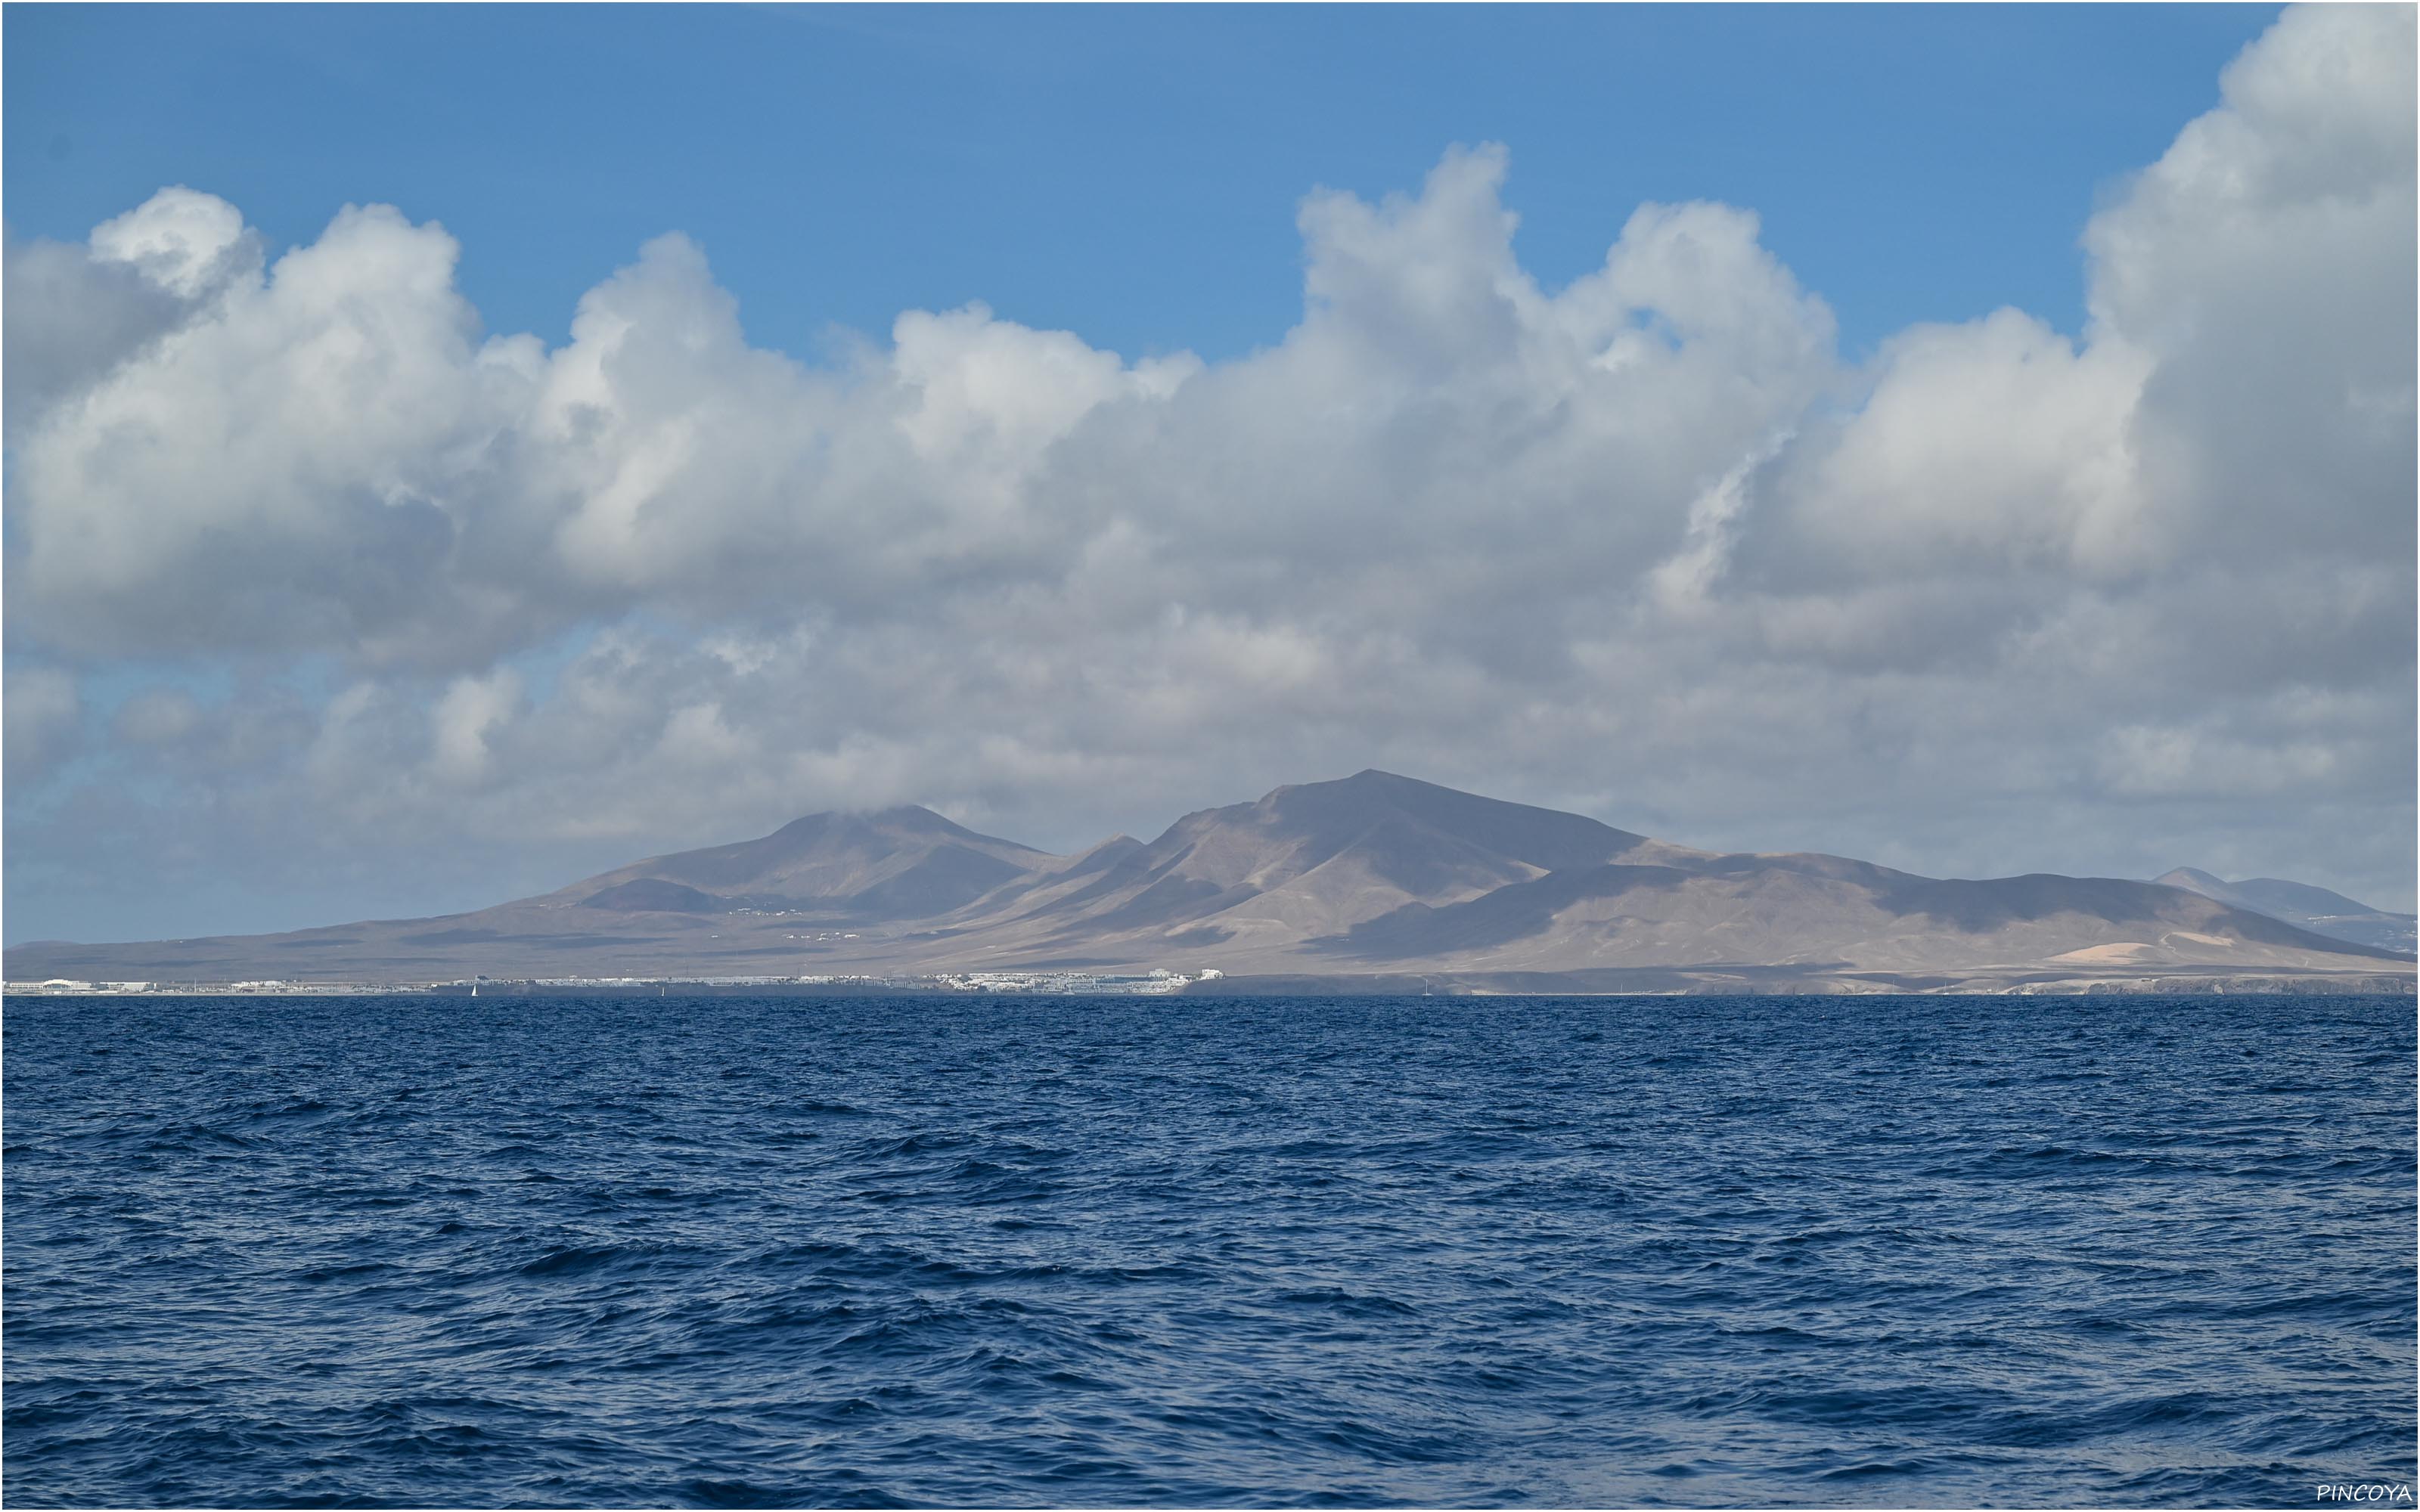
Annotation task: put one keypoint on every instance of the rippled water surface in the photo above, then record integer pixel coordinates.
(733, 1252)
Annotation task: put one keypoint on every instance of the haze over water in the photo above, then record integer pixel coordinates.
(734, 1252)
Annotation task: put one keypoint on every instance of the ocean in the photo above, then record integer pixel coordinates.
(1007, 1251)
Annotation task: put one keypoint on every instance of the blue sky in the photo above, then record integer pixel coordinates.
(1127, 172)
(1129, 410)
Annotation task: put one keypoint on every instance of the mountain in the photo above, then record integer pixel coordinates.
(2316, 909)
(1370, 879)
(1309, 861)
(901, 863)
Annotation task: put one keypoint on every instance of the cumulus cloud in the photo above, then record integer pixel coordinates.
(75, 313)
(2003, 598)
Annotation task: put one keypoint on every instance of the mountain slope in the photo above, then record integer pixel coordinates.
(900, 863)
(2316, 909)
(1371, 875)
(1308, 860)
(1670, 915)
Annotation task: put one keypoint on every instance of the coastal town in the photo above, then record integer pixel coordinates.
(1055, 983)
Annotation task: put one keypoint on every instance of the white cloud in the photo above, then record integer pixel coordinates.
(1642, 544)
(2268, 259)
(464, 724)
(2244, 393)
(190, 244)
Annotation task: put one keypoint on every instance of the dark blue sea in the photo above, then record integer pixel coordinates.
(730, 1252)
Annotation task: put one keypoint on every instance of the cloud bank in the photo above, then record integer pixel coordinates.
(303, 566)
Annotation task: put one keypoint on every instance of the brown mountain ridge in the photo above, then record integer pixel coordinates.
(1373, 878)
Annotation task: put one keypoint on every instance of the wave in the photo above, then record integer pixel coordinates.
(1357, 1252)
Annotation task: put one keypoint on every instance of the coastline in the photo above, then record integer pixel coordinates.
(1613, 982)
